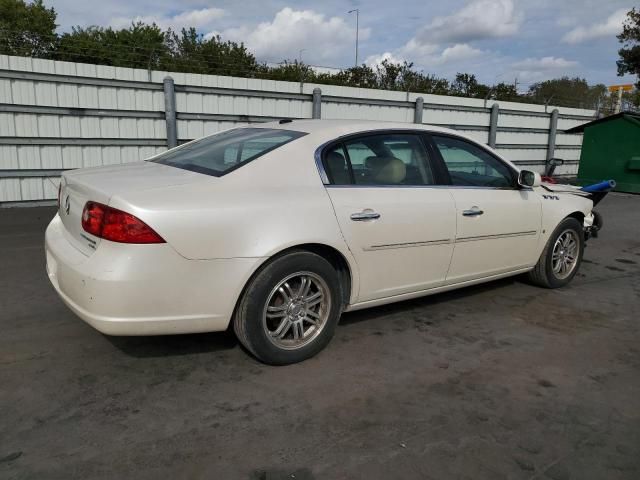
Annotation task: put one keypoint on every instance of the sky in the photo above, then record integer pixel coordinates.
(497, 40)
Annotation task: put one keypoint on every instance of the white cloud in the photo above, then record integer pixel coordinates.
(445, 42)
(434, 59)
(611, 27)
(200, 19)
(532, 70)
(323, 39)
(374, 60)
(460, 51)
(545, 63)
(479, 20)
(416, 50)
(430, 55)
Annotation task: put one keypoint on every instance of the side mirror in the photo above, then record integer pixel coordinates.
(528, 179)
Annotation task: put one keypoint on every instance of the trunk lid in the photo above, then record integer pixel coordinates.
(101, 183)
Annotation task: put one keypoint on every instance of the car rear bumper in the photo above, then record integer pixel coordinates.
(124, 289)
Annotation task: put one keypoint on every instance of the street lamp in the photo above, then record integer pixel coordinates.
(357, 10)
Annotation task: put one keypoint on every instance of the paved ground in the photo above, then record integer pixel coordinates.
(498, 381)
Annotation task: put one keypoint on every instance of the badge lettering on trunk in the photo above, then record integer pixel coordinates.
(67, 205)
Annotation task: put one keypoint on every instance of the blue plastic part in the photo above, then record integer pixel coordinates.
(600, 187)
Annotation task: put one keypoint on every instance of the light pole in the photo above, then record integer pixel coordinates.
(357, 10)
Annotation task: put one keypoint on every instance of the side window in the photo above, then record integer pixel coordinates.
(470, 165)
(221, 153)
(389, 159)
(335, 164)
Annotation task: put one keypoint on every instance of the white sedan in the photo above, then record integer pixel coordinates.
(278, 228)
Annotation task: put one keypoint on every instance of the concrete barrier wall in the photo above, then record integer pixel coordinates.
(60, 115)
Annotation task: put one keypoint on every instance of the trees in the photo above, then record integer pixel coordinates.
(387, 75)
(147, 46)
(629, 61)
(139, 46)
(27, 29)
(506, 92)
(191, 52)
(466, 85)
(288, 71)
(567, 92)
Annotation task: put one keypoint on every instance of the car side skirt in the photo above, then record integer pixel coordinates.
(432, 291)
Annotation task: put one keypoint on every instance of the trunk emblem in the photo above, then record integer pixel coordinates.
(67, 205)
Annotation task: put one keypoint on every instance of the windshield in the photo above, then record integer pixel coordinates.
(219, 154)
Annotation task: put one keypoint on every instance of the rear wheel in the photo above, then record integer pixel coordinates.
(290, 309)
(561, 257)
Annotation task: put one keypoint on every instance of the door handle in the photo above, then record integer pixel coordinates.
(472, 212)
(365, 215)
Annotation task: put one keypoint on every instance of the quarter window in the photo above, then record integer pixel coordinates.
(470, 165)
(223, 152)
(389, 159)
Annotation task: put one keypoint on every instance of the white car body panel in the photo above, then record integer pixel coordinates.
(502, 239)
(554, 211)
(408, 248)
(220, 230)
(144, 289)
(100, 184)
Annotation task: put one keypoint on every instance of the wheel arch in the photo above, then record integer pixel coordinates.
(578, 215)
(338, 260)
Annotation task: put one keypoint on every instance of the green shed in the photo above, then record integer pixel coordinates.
(611, 150)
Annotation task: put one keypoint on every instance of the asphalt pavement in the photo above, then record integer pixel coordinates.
(499, 381)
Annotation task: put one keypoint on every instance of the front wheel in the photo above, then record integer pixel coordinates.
(561, 257)
(290, 309)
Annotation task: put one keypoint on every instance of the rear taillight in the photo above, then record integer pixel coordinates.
(112, 224)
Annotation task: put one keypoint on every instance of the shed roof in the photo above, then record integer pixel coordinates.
(626, 115)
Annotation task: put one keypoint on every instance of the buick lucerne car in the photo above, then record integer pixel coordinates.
(276, 229)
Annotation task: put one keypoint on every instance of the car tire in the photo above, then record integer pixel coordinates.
(274, 318)
(544, 274)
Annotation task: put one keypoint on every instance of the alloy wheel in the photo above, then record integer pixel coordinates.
(297, 310)
(564, 258)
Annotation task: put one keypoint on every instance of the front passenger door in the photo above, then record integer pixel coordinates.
(498, 224)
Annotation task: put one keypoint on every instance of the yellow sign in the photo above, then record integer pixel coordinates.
(625, 88)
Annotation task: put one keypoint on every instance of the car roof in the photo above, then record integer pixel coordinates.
(335, 128)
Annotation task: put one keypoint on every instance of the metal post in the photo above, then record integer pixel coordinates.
(316, 109)
(553, 128)
(357, 32)
(493, 125)
(357, 10)
(170, 112)
(417, 114)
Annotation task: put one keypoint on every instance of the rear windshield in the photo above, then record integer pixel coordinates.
(221, 153)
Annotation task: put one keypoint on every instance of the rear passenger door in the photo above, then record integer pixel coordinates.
(399, 229)
(498, 223)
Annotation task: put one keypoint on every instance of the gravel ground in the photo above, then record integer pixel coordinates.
(503, 380)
